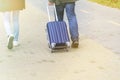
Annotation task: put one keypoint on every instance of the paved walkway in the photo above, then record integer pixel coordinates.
(100, 23)
(32, 60)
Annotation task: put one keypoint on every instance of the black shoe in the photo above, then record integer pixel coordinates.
(75, 44)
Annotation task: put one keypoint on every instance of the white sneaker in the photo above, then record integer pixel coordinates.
(15, 43)
(10, 41)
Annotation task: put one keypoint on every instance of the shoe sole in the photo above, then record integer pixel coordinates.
(10, 43)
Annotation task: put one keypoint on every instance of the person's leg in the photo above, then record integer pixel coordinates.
(15, 17)
(7, 22)
(7, 25)
(70, 11)
(60, 11)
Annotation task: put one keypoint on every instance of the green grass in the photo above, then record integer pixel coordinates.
(110, 3)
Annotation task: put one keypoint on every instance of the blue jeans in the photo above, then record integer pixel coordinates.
(14, 16)
(70, 11)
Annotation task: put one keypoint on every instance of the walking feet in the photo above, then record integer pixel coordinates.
(10, 41)
(75, 44)
(15, 43)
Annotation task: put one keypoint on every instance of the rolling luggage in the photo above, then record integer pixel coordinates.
(57, 33)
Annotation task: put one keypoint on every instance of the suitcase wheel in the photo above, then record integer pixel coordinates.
(53, 45)
(68, 44)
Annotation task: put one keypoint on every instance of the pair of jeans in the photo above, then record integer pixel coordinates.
(11, 19)
(70, 12)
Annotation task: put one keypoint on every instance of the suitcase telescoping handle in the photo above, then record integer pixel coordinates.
(55, 12)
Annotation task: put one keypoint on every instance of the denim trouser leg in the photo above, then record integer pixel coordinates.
(7, 22)
(70, 11)
(73, 25)
(16, 25)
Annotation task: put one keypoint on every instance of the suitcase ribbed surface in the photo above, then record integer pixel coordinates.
(57, 32)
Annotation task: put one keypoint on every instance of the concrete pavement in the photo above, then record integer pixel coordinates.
(100, 23)
(32, 60)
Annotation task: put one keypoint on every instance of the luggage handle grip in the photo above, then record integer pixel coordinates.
(55, 12)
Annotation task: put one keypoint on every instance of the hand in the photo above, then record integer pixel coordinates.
(50, 3)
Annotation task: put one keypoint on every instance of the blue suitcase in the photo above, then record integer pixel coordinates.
(58, 36)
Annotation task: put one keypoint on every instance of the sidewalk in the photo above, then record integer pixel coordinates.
(100, 23)
(32, 60)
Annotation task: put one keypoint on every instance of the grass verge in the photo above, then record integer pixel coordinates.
(110, 3)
